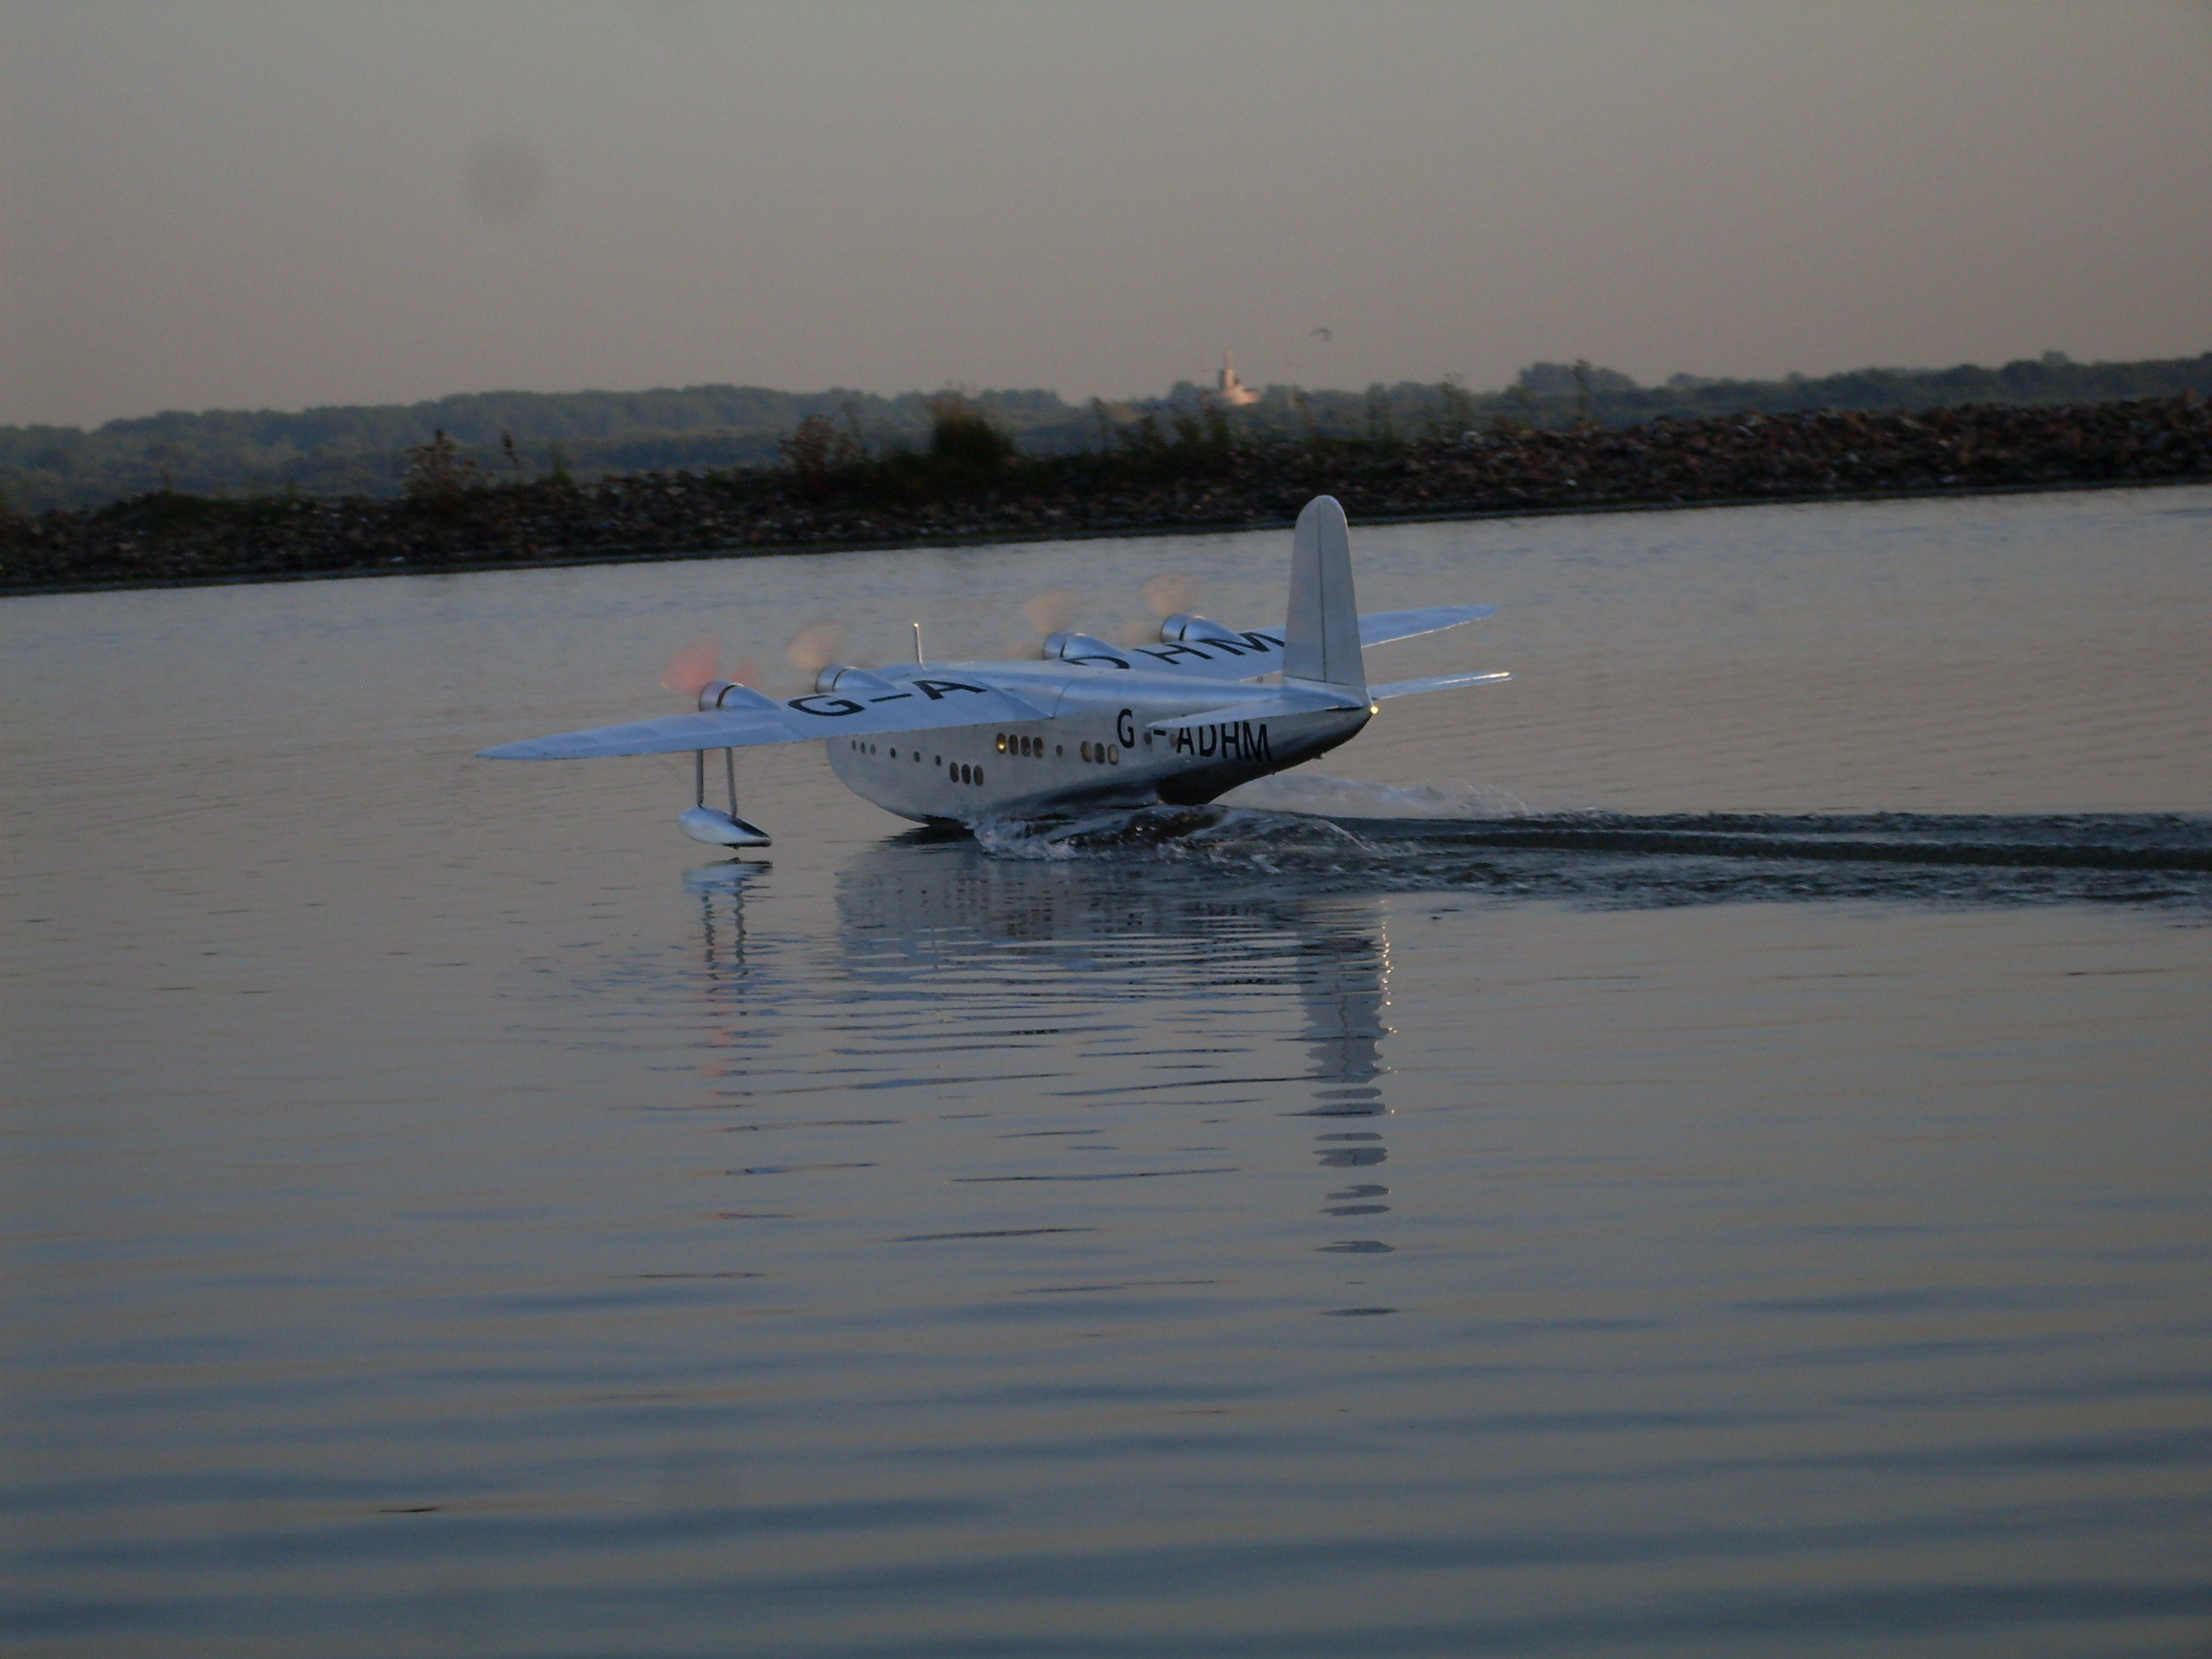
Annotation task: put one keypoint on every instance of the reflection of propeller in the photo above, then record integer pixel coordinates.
(691, 669)
(815, 647)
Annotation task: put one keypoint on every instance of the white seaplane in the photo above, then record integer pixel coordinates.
(1088, 726)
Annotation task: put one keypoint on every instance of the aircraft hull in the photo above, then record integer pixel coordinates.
(1099, 752)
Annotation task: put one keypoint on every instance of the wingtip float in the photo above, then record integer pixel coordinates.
(1089, 724)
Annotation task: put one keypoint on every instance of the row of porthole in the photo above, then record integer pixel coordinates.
(1016, 742)
(960, 772)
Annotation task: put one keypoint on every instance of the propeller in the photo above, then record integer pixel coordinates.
(691, 669)
(1166, 595)
(815, 647)
(1170, 593)
(1046, 613)
(1050, 611)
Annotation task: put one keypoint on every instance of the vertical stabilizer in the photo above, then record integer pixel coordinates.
(1321, 639)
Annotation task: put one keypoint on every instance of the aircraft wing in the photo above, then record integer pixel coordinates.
(1247, 653)
(919, 705)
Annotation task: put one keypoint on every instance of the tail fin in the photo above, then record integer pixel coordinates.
(1321, 640)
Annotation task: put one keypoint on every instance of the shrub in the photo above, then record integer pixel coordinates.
(964, 438)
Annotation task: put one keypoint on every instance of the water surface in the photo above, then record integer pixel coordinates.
(1700, 1148)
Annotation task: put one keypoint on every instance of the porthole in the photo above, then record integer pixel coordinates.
(1113, 755)
(1002, 743)
(979, 775)
(1086, 752)
(1060, 751)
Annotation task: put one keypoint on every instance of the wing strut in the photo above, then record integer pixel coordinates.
(702, 822)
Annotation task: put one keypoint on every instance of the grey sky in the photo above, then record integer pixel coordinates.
(284, 204)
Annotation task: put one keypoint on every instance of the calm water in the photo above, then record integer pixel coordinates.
(1702, 1148)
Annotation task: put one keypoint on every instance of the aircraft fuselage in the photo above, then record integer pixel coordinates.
(1110, 739)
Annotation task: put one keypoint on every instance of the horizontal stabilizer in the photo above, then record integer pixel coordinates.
(1385, 626)
(1436, 683)
(1299, 700)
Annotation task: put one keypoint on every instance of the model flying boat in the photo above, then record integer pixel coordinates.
(1089, 724)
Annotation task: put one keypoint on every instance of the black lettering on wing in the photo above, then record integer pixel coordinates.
(894, 697)
(1170, 653)
(837, 706)
(936, 689)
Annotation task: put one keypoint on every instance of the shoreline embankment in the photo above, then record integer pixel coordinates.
(1196, 481)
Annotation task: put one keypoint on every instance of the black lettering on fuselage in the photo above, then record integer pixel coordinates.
(1228, 740)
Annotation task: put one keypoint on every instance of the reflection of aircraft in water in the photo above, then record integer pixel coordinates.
(1089, 725)
(720, 890)
(1147, 933)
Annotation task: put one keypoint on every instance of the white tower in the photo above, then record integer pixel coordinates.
(1228, 389)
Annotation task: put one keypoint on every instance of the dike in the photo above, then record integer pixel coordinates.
(1141, 488)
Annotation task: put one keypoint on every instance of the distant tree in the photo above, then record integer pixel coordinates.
(818, 448)
(1382, 429)
(1562, 380)
(963, 438)
(437, 472)
(1452, 413)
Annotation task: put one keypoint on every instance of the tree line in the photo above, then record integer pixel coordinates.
(514, 436)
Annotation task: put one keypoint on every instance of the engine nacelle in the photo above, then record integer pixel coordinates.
(723, 694)
(843, 677)
(1070, 647)
(1185, 624)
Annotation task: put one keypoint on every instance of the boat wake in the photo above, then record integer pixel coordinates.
(1372, 836)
